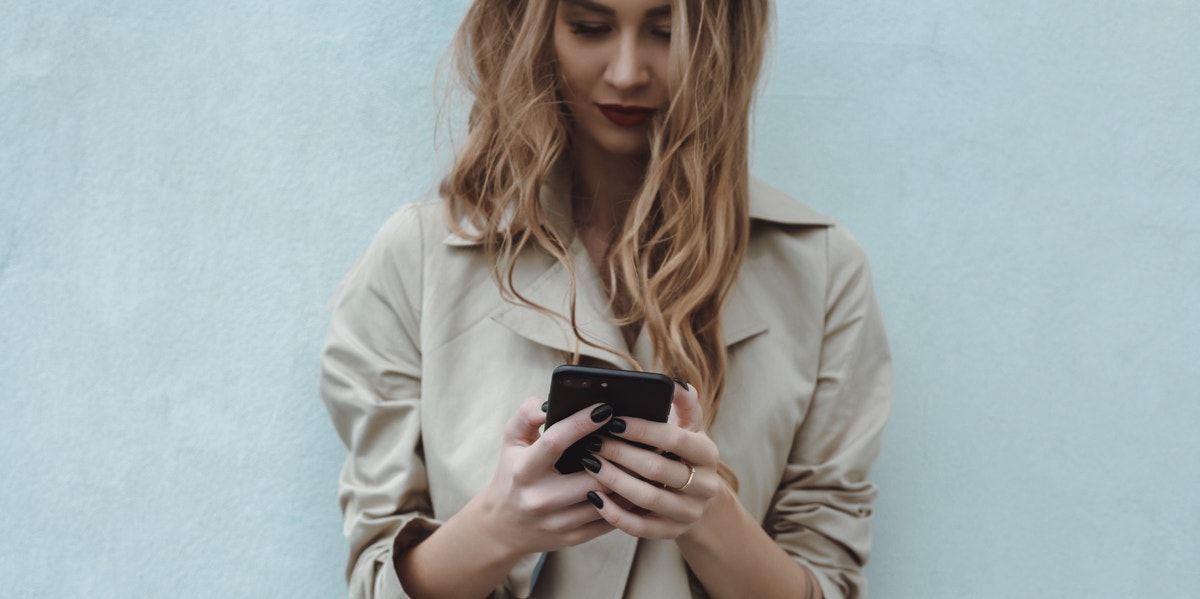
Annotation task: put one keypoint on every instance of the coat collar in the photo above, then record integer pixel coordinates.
(766, 204)
(555, 198)
(544, 281)
(772, 205)
(593, 313)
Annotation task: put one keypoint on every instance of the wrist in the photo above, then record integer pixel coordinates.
(483, 520)
(710, 529)
(465, 556)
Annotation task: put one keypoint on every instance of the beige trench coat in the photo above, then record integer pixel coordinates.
(425, 362)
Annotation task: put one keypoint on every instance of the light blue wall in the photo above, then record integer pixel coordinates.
(182, 184)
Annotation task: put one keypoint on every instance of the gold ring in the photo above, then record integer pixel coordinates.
(691, 475)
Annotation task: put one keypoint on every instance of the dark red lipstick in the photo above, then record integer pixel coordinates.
(627, 116)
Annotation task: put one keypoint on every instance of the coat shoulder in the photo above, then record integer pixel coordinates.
(792, 221)
(771, 204)
(413, 225)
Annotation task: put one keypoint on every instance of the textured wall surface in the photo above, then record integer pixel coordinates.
(182, 185)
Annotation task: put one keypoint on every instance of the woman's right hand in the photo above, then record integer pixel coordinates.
(529, 507)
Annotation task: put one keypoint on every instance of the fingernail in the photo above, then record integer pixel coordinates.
(591, 463)
(683, 384)
(601, 413)
(595, 499)
(617, 426)
(671, 456)
(593, 443)
(545, 406)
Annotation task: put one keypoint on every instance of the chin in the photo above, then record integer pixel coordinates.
(604, 138)
(631, 146)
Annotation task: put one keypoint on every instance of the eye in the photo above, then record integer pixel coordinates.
(588, 29)
(664, 33)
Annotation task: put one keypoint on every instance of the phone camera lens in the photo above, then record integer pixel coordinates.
(572, 383)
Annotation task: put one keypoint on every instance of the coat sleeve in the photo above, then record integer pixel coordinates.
(371, 385)
(821, 513)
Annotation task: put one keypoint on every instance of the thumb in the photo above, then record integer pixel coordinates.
(685, 408)
(522, 428)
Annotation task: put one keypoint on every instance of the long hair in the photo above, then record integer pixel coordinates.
(677, 256)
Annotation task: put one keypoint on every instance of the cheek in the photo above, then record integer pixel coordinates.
(570, 77)
(567, 83)
(580, 66)
(566, 57)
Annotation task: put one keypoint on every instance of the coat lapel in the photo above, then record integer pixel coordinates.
(739, 318)
(551, 289)
(544, 281)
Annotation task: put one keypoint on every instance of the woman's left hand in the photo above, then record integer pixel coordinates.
(673, 491)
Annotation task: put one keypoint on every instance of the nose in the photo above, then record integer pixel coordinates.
(628, 67)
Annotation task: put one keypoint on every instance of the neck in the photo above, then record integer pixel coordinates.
(603, 188)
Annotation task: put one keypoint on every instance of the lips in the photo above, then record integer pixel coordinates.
(627, 116)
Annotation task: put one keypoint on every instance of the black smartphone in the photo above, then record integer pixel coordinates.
(645, 395)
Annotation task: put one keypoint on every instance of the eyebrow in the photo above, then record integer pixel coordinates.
(657, 11)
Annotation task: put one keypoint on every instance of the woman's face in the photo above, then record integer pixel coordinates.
(612, 60)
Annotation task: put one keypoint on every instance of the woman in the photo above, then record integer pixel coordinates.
(601, 213)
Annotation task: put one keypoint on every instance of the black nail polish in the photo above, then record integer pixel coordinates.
(671, 456)
(595, 499)
(591, 463)
(593, 443)
(617, 426)
(601, 413)
(682, 384)
(545, 406)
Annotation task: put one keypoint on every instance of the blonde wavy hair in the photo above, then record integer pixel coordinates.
(685, 236)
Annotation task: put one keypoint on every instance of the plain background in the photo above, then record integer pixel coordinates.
(183, 184)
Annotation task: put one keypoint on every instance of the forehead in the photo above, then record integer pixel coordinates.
(639, 8)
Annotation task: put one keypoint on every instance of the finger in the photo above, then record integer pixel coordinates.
(588, 531)
(649, 465)
(571, 518)
(644, 494)
(694, 447)
(558, 437)
(524, 426)
(646, 527)
(556, 493)
(685, 408)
